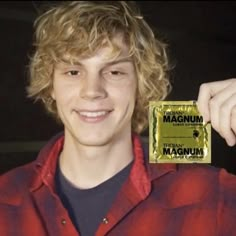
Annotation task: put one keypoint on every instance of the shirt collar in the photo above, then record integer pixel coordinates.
(171, 193)
(155, 170)
(142, 173)
(46, 163)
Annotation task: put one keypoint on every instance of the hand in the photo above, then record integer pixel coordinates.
(217, 103)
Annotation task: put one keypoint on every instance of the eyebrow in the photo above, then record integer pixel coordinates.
(109, 63)
(121, 60)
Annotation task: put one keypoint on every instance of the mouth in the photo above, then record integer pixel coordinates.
(93, 116)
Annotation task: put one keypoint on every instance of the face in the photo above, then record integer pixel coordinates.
(96, 97)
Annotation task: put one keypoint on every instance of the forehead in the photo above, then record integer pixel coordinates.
(107, 50)
(118, 49)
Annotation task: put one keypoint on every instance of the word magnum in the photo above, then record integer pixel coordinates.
(183, 118)
(183, 151)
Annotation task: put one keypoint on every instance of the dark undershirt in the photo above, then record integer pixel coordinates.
(88, 207)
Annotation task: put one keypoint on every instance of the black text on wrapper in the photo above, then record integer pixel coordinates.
(178, 133)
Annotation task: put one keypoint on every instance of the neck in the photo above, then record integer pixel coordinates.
(88, 166)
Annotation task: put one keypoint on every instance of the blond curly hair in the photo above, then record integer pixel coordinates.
(80, 28)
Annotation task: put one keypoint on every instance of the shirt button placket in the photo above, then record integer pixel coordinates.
(105, 221)
(63, 221)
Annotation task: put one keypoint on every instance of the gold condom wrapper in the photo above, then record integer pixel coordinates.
(177, 133)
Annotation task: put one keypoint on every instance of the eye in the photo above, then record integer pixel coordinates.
(116, 72)
(73, 73)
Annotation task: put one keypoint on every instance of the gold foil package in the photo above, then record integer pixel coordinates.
(177, 133)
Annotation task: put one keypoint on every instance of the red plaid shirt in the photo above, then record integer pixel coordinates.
(160, 200)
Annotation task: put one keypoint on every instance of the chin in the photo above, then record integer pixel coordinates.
(94, 141)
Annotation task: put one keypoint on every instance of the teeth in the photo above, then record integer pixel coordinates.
(93, 114)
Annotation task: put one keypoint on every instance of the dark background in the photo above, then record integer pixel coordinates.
(202, 44)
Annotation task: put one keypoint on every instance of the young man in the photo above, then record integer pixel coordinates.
(96, 66)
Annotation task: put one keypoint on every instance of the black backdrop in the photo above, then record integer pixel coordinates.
(202, 45)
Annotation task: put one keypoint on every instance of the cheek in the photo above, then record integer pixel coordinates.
(130, 91)
(126, 98)
(63, 94)
(125, 88)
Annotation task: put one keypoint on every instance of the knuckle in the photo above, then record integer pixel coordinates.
(203, 87)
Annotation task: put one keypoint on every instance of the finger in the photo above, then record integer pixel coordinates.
(233, 122)
(214, 113)
(220, 107)
(206, 92)
(226, 123)
(203, 101)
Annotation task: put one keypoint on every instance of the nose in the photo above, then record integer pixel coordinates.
(93, 88)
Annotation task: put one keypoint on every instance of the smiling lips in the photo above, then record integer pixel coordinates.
(93, 116)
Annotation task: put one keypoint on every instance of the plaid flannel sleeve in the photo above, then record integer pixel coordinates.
(227, 204)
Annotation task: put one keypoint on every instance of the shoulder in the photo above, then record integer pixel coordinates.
(226, 213)
(227, 182)
(199, 172)
(188, 184)
(210, 176)
(195, 182)
(227, 192)
(198, 176)
(15, 183)
(205, 177)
